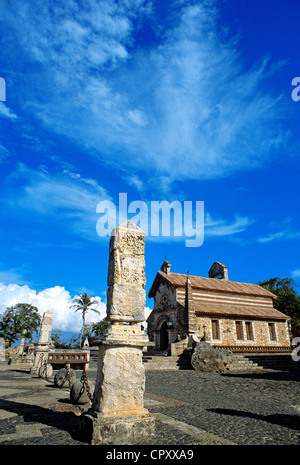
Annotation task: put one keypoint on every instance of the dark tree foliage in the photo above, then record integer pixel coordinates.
(288, 301)
(99, 328)
(20, 319)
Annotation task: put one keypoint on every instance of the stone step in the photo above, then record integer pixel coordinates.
(279, 362)
(240, 363)
(276, 362)
(162, 362)
(159, 361)
(247, 362)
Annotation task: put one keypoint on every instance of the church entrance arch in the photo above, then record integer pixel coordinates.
(164, 336)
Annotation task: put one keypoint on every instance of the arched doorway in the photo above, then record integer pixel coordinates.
(164, 337)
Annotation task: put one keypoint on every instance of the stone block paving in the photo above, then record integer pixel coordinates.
(191, 408)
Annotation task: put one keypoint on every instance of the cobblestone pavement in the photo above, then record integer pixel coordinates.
(191, 408)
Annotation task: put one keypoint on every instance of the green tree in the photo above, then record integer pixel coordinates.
(85, 333)
(83, 303)
(99, 327)
(92, 332)
(19, 319)
(287, 302)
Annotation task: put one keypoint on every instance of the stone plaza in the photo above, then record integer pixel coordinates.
(189, 407)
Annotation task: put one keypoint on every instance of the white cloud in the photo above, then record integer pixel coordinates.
(66, 195)
(147, 310)
(56, 298)
(222, 227)
(280, 235)
(184, 108)
(138, 117)
(284, 232)
(10, 276)
(73, 201)
(296, 273)
(6, 112)
(272, 237)
(4, 153)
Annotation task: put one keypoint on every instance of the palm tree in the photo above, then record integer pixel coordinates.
(83, 303)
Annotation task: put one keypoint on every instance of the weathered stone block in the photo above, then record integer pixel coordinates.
(116, 430)
(129, 238)
(79, 393)
(44, 341)
(127, 334)
(126, 303)
(45, 371)
(120, 381)
(126, 269)
(206, 358)
(46, 327)
(126, 256)
(64, 378)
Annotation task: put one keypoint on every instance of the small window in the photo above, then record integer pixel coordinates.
(272, 332)
(249, 331)
(215, 329)
(239, 330)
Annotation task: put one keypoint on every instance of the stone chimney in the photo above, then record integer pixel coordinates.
(166, 267)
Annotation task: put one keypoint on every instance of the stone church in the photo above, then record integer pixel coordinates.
(227, 314)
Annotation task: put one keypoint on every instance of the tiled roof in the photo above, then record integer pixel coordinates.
(217, 285)
(245, 311)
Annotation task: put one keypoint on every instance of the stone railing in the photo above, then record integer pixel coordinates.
(177, 348)
(255, 349)
(72, 357)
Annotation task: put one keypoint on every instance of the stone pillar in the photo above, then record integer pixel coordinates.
(42, 349)
(118, 413)
(190, 309)
(2, 350)
(22, 343)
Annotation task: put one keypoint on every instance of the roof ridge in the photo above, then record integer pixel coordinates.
(213, 279)
(217, 284)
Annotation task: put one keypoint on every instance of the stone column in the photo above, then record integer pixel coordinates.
(190, 308)
(118, 412)
(2, 350)
(44, 341)
(22, 343)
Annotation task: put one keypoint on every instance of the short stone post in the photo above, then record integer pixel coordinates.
(22, 343)
(41, 352)
(2, 350)
(118, 412)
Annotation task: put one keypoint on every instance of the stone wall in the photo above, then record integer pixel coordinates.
(259, 330)
(164, 297)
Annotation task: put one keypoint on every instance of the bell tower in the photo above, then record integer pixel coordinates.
(218, 271)
(166, 267)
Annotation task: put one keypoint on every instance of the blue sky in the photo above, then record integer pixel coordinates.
(162, 100)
